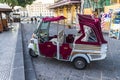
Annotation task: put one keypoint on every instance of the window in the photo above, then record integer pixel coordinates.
(44, 25)
(89, 35)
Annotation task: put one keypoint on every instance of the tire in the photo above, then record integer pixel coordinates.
(80, 63)
(32, 53)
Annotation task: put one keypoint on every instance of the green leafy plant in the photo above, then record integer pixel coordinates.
(13, 3)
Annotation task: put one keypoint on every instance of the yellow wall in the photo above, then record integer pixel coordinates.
(118, 1)
(65, 11)
(58, 11)
(69, 14)
(73, 11)
(55, 10)
(115, 1)
(115, 6)
(87, 11)
(106, 10)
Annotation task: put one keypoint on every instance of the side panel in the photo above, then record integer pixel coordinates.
(93, 53)
(96, 57)
(87, 47)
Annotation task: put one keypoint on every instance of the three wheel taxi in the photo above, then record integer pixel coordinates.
(81, 48)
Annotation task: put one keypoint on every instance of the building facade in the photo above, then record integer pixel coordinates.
(114, 4)
(100, 5)
(39, 9)
(67, 8)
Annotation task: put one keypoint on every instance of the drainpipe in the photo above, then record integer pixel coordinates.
(82, 7)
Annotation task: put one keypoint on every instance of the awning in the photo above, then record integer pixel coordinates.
(5, 8)
(64, 2)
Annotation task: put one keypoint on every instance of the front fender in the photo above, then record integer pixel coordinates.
(31, 46)
(80, 55)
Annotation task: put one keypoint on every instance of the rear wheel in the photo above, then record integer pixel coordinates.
(80, 63)
(32, 53)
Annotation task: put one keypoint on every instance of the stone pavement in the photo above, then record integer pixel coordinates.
(11, 64)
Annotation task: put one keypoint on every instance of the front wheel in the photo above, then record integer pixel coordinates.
(32, 53)
(80, 63)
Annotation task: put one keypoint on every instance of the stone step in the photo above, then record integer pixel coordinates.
(18, 72)
(22, 68)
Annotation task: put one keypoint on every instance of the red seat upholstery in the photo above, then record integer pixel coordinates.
(48, 49)
(70, 38)
(65, 51)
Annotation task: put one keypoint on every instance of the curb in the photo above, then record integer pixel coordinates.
(28, 64)
(18, 72)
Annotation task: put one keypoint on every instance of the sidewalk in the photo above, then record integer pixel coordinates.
(8, 66)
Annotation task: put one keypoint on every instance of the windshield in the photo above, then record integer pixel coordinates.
(41, 26)
(42, 31)
(39, 23)
(116, 19)
(44, 25)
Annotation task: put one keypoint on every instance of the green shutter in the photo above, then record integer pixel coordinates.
(107, 2)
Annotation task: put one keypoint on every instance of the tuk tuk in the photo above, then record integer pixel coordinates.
(81, 48)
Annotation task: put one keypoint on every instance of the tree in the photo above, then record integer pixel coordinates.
(23, 3)
(13, 3)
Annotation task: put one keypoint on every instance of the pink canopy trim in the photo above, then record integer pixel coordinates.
(48, 19)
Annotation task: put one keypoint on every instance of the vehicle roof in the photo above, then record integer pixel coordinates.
(51, 19)
(94, 24)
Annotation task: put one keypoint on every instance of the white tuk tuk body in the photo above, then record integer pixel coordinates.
(81, 48)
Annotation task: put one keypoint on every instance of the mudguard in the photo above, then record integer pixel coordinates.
(80, 55)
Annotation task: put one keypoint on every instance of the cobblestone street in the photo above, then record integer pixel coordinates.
(52, 69)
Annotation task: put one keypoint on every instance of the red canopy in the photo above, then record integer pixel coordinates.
(95, 24)
(50, 19)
